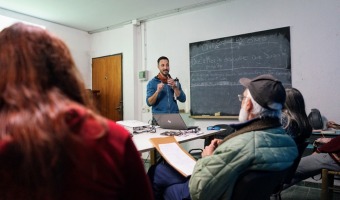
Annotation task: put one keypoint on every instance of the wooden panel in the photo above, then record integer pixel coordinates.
(114, 90)
(107, 78)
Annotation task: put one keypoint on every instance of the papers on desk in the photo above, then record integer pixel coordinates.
(132, 123)
(327, 132)
(174, 154)
(331, 132)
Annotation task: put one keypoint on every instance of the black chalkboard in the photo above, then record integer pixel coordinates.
(217, 65)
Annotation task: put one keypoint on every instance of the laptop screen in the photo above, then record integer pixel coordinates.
(172, 121)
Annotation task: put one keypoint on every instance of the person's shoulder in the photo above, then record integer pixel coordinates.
(153, 81)
(117, 130)
(118, 139)
(275, 136)
(272, 132)
(238, 141)
(88, 124)
(84, 122)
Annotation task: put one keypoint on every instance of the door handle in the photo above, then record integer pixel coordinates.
(120, 107)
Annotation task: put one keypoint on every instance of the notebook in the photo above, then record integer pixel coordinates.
(172, 121)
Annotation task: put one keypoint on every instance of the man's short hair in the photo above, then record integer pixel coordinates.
(266, 90)
(162, 58)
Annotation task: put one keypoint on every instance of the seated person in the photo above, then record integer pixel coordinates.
(53, 145)
(259, 143)
(327, 156)
(294, 117)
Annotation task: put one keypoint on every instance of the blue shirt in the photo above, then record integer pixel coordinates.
(166, 102)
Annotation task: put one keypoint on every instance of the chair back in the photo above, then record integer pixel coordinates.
(301, 148)
(291, 171)
(257, 185)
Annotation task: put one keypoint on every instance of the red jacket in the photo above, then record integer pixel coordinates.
(333, 148)
(108, 165)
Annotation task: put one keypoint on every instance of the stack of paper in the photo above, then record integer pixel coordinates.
(174, 154)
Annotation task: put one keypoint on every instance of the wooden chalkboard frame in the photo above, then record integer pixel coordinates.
(216, 66)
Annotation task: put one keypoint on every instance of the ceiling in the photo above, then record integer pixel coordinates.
(98, 15)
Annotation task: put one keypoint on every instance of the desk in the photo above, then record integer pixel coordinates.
(325, 133)
(315, 135)
(143, 143)
(318, 134)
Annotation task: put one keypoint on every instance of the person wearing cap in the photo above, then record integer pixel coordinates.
(259, 143)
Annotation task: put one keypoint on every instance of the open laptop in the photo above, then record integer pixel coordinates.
(172, 121)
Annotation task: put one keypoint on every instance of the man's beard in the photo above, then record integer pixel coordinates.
(243, 115)
(165, 73)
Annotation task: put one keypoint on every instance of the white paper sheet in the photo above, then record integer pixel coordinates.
(176, 157)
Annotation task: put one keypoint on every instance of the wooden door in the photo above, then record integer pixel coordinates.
(107, 78)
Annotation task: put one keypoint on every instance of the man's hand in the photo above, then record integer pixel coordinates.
(331, 124)
(323, 140)
(160, 87)
(216, 142)
(152, 100)
(209, 150)
(171, 83)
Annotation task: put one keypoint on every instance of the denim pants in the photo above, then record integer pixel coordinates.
(167, 183)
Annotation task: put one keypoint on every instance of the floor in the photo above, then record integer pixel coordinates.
(306, 190)
(310, 189)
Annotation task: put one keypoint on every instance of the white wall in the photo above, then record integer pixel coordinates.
(315, 47)
(77, 41)
(315, 43)
(123, 40)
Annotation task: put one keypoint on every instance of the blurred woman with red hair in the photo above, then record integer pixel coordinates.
(53, 145)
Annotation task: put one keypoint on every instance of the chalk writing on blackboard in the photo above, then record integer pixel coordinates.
(217, 65)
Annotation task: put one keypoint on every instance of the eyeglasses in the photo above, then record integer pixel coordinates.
(241, 97)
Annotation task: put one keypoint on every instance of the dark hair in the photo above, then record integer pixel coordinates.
(39, 83)
(162, 58)
(294, 109)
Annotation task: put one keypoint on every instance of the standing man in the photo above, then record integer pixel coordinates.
(163, 91)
